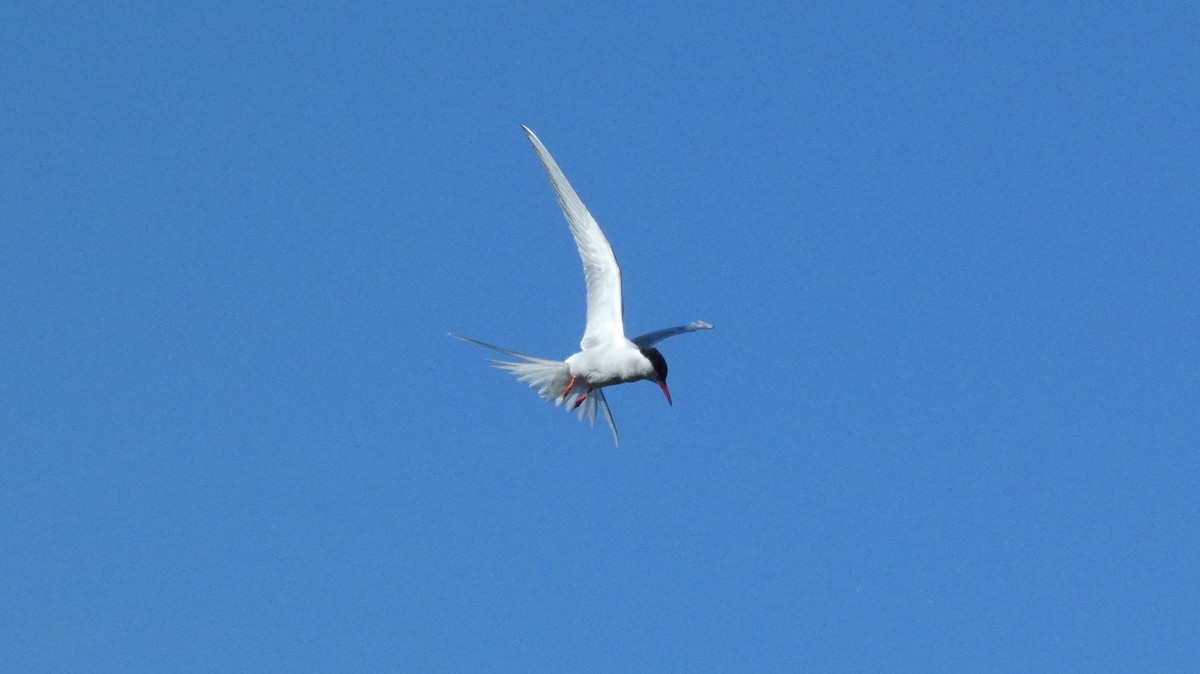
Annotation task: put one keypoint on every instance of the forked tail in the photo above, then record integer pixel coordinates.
(551, 378)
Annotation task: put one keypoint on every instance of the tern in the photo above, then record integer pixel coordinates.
(606, 356)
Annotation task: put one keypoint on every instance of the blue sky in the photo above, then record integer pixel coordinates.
(947, 420)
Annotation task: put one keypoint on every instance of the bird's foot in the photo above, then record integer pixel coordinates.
(580, 401)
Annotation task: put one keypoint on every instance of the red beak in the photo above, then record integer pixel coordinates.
(666, 392)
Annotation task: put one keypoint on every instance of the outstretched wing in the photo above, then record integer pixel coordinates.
(605, 314)
(651, 338)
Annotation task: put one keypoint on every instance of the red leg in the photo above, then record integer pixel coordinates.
(569, 387)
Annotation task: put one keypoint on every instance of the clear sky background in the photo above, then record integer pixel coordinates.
(948, 419)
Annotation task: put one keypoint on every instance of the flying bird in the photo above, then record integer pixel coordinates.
(606, 356)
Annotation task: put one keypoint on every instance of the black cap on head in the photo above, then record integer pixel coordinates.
(656, 359)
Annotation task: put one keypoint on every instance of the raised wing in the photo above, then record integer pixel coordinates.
(651, 338)
(605, 314)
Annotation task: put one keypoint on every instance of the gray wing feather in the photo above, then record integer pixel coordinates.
(651, 338)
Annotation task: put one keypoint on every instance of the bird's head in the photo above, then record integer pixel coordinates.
(660, 370)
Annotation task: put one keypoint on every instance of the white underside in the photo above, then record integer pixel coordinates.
(609, 364)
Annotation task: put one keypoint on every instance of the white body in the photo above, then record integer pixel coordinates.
(610, 363)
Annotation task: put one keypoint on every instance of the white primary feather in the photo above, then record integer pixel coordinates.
(605, 313)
